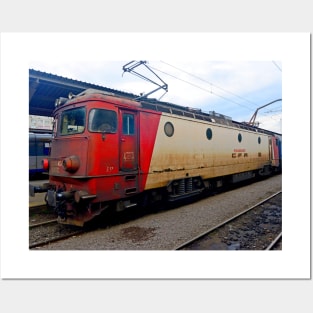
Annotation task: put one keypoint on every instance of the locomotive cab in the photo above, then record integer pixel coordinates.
(94, 157)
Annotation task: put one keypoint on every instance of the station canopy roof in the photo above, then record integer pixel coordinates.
(45, 88)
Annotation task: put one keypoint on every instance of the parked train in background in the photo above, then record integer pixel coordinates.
(39, 149)
(109, 151)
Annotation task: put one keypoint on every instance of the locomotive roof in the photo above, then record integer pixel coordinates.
(171, 108)
(212, 116)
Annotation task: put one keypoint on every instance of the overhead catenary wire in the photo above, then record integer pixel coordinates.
(204, 89)
(212, 85)
(276, 65)
(209, 90)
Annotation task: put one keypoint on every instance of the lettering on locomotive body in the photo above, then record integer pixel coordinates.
(55, 166)
(110, 168)
(129, 155)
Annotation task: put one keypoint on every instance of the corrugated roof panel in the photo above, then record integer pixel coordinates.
(45, 88)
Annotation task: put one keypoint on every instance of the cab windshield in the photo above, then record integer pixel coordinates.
(101, 120)
(73, 121)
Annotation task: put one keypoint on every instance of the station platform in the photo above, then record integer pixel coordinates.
(39, 198)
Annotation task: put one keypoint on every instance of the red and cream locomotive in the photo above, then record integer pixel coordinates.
(110, 151)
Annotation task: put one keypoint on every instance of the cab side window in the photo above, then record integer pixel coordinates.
(128, 124)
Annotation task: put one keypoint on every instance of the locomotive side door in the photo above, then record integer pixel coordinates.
(128, 141)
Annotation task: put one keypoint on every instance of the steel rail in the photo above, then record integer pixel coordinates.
(43, 223)
(224, 222)
(273, 243)
(45, 242)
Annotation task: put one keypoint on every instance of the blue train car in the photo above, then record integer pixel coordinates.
(39, 148)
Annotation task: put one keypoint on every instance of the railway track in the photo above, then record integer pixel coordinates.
(49, 231)
(55, 239)
(257, 228)
(40, 213)
(53, 221)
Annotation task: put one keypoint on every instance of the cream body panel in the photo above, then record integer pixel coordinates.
(190, 153)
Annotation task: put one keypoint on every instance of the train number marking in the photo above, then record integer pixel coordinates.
(129, 156)
(110, 168)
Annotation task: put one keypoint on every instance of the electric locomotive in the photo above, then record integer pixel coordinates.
(111, 151)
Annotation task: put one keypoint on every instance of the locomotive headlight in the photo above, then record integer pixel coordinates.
(71, 164)
(45, 164)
